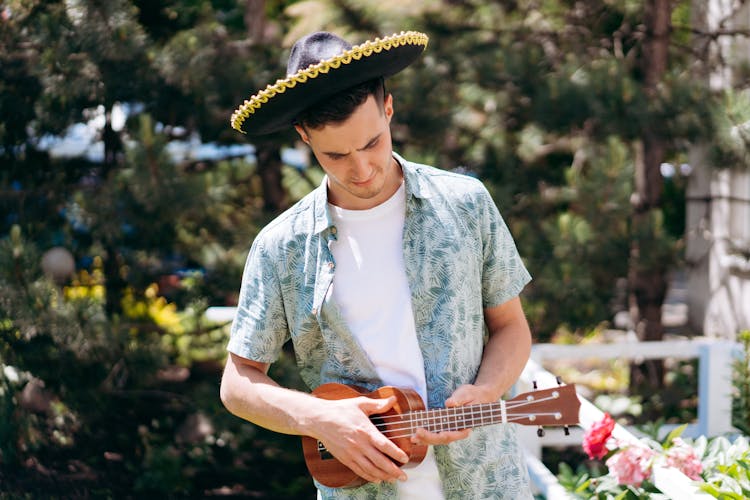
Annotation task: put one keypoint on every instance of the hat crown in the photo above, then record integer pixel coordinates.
(314, 48)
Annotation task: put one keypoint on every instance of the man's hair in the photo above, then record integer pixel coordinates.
(339, 107)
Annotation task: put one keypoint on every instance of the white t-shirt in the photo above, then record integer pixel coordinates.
(372, 292)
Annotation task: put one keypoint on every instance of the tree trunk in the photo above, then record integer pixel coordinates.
(255, 20)
(269, 169)
(113, 146)
(648, 275)
(114, 283)
(267, 152)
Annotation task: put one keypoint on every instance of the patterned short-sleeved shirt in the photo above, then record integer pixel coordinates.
(460, 259)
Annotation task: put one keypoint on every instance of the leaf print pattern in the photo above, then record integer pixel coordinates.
(460, 258)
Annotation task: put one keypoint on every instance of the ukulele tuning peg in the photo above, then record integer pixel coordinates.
(540, 432)
(559, 380)
(566, 430)
(533, 384)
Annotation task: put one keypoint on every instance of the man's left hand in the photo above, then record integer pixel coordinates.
(464, 395)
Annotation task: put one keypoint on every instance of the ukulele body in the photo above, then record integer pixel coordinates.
(327, 469)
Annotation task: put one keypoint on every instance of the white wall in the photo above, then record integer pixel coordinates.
(718, 207)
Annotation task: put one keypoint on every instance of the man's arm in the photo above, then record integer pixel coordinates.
(503, 360)
(342, 426)
(506, 352)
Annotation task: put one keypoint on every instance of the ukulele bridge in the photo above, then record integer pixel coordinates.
(323, 451)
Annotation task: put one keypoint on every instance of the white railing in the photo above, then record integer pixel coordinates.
(714, 403)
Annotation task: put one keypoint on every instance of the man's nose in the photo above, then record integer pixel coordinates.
(361, 166)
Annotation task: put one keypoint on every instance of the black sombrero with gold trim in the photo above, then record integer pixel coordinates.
(321, 65)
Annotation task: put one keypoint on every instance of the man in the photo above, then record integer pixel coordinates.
(390, 273)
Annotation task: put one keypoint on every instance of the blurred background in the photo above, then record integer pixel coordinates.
(613, 136)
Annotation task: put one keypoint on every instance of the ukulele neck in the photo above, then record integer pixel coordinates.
(557, 406)
(458, 418)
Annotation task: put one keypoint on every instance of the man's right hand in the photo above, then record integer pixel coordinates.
(345, 429)
(343, 426)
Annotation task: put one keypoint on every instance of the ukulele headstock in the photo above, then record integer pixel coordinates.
(557, 406)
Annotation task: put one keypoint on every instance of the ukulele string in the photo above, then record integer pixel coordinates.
(389, 423)
(392, 433)
(484, 409)
(408, 429)
(463, 411)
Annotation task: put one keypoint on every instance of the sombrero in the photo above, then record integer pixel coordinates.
(320, 65)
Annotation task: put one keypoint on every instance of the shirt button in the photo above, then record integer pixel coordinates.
(331, 265)
(315, 310)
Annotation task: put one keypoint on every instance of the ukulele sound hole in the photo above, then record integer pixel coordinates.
(377, 421)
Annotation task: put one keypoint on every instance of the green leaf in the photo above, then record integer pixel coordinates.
(583, 486)
(676, 432)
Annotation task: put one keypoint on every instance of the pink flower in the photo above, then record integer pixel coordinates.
(631, 465)
(595, 439)
(682, 456)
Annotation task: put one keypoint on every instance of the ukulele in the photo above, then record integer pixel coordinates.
(553, 407)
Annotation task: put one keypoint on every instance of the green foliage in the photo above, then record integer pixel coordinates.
(578, 240)
(69, 346)
(741, 384)
(102, 394)
(733, 138)
(728, 467)
(106, 379)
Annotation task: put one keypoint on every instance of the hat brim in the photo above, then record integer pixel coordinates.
(274, 108)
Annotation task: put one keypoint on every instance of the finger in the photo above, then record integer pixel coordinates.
(463, 395)
(445, 437)
(424, 437)
(373, 466)
(455, 401)
(368, 462)
(386, 468)
(388, 448)
(373, 405)
(368, 471)
(365, 469)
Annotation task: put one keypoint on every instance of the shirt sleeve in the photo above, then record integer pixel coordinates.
(259, 329)
(504, 275)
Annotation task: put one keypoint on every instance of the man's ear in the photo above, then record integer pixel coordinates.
(302, 134)
(388, 107)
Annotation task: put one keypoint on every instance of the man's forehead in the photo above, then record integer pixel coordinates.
(364, 126)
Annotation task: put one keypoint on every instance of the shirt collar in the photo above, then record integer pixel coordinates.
(413, 184)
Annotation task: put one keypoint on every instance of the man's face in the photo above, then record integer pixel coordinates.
(357, 156)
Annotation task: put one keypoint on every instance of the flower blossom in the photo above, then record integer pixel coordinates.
(682, 456)
(631, 465)
(595, 439)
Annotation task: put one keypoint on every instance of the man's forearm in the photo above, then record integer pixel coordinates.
(249, 393)
(507, 349)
